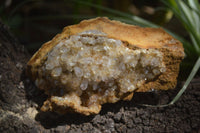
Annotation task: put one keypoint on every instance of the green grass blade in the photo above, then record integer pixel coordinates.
(193, 22)
(190, 77)
(102, 8)
(185, 11)
(55, 17)
(127, 16)
(144, 22)
(196, 16)
(179, 12)
(195, 43)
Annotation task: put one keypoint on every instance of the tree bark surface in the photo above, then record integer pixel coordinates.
(20, 103)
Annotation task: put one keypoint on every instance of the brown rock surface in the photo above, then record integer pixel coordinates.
(156, 68)
(20, 101)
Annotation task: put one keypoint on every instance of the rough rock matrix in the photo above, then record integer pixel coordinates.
(101, 61)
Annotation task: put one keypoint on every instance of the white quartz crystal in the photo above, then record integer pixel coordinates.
(95, 86)
(78, 72)
(56, 72)
(84, 84)
(90, 61)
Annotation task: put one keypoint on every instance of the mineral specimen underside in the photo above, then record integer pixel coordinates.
(88, 69)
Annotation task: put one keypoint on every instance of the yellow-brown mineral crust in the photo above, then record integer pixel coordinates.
(102, 61)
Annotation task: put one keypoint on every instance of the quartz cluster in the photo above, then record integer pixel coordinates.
(91, 69)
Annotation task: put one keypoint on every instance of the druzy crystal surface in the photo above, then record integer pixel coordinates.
(91, 69)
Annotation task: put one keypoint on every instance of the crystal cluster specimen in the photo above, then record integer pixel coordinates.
(82, 71)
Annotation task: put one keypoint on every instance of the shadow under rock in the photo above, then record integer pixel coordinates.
(52, 120)
(138, 98)
(49, 119)
(33, 94)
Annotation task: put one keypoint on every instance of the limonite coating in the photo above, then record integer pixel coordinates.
(102, 61)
